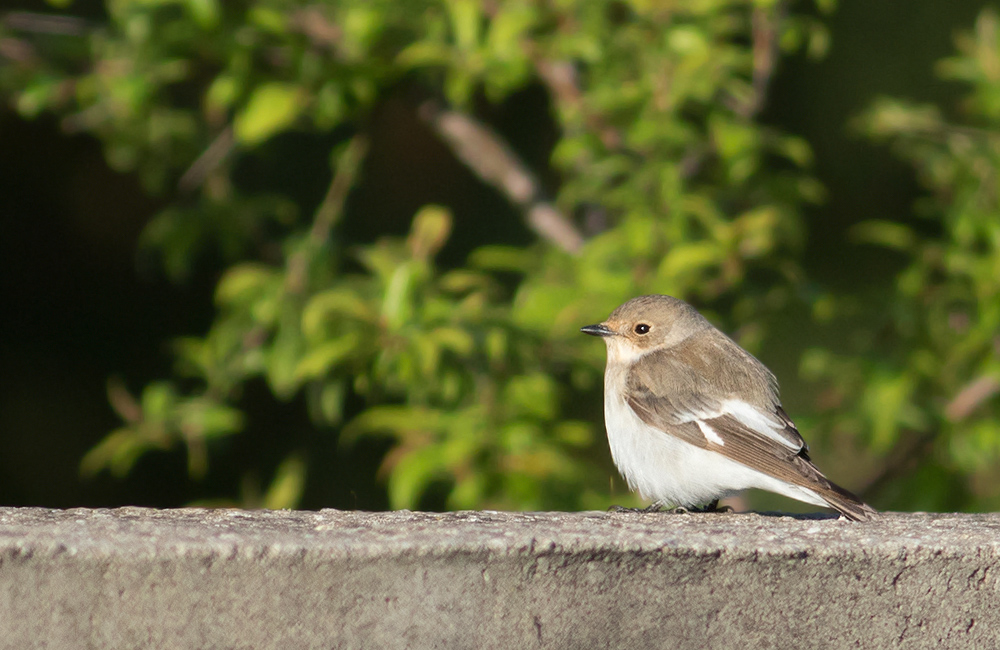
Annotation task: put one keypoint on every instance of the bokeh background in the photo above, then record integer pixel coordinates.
(861, 297)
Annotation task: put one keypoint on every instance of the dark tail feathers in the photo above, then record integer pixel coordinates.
(846, 503)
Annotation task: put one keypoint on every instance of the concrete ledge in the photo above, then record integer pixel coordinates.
(140, 578)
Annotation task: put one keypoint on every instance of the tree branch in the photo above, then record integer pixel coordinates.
(38, 23)
(208, 161)
(764, 27)
(971, 396)
(489, 157)
(346, 165)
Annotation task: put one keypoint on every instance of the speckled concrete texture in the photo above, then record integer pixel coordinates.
(140, 578)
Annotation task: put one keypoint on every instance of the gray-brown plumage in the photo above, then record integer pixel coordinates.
(692, 416)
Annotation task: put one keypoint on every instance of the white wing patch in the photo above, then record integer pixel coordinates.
(746, 414)
(710, 434)
(757, 420)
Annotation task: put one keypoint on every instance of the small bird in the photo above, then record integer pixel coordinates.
(693, 417)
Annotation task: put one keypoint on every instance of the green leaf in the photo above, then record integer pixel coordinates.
(455, 339)
(574, 433)
(884, 233)
(330, 402)
(158, 401)
(118, 450)
(392, 419)
(757, 231)
(397, 305)
(466, 19)
(469, 491)
(320, 360)
(689, 258)
(285, 491)
(429, 232)
(424, 54)
(222, 94)
(283, 359)
(886, 400)
(532, 396)
(209, 419)
(206, 13)
(39, 96)
(341, 304)
(273, 107)
(461, 281)
(245, 281)
(269, 19)
(501, 258)
(412, 474)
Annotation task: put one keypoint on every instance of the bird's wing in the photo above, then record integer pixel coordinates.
(682, 400)
(691, 386)
(725, 434)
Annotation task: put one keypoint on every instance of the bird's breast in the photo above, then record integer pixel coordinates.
(660, 466)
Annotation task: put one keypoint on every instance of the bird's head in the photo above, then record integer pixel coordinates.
(647, 323)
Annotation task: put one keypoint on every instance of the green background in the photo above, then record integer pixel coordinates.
(81, 305)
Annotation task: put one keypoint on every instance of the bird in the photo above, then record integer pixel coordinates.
(692, 417)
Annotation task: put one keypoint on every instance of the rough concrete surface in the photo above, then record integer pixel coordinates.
(192, 578)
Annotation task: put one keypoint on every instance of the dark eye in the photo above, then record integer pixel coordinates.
(641, 328)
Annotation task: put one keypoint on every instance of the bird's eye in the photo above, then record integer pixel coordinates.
(641, 328)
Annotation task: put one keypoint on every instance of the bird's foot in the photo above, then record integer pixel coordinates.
(656, 507)
(711, 507)
(678, 510)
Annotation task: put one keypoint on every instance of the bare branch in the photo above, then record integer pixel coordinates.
(346, 166)
(122, 401)
(971, 396)
(486, 154)
(18, 50)
(312, 22)
(764, 27)
(563, 82)
(208, 161)
(27, 21)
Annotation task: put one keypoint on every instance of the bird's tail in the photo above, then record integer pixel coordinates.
(845, 503)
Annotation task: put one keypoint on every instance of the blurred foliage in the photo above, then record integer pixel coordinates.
(925, 394)
(477, 372)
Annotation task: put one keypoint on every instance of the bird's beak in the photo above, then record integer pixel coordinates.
(597, 330)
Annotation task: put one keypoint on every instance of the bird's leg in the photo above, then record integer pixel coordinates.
(714, 507)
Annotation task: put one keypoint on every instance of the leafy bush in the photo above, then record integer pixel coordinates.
(928, 393)
(667, 183)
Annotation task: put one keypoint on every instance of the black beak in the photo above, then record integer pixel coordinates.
(596, 330)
